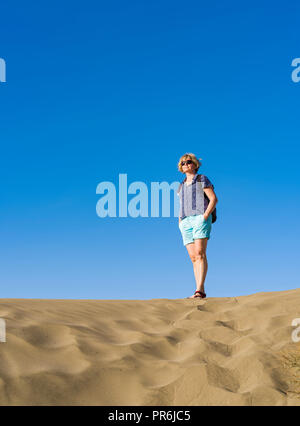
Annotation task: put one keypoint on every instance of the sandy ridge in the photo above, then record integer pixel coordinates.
(219, 351)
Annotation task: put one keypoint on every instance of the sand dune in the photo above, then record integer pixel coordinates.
(219, 351)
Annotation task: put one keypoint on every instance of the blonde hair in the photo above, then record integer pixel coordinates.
(189, 156)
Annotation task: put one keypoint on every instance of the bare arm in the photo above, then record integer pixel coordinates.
(212, 201)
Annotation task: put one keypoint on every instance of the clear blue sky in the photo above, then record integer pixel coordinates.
(99, 88)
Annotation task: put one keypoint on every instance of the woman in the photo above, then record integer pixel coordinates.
(195, 217)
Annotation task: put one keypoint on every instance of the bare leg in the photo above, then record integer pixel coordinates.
(197, 253)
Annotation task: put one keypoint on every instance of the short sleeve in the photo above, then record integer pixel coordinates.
(205, 182)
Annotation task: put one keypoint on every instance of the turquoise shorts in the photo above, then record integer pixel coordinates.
(194, 227)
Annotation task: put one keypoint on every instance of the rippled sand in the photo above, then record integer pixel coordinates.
(218, 351)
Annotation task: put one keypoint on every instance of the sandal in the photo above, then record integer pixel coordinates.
(201, 294)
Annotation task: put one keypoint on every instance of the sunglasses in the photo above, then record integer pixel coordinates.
(186, 162)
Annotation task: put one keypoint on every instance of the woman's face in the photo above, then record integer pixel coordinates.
(189, 166)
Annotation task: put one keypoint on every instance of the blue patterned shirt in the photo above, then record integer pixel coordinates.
(192, 197)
